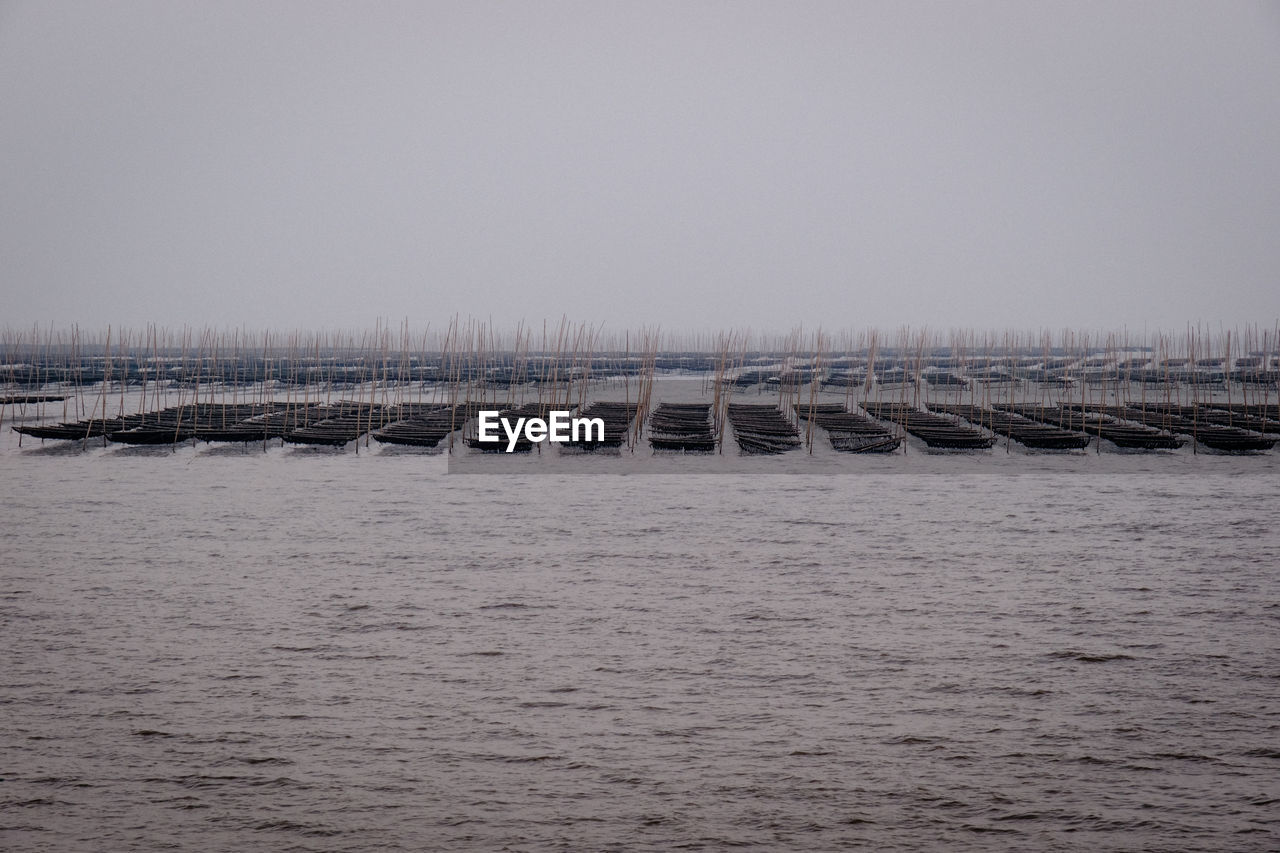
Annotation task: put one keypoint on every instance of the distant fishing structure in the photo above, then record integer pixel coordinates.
(866, 391)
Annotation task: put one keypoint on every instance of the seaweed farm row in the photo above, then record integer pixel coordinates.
(335, 424)
(28, 375)
(470, 352)
(681, 427)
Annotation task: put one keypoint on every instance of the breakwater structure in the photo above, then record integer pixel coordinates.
(658, 392)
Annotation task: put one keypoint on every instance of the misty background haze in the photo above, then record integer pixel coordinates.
(694, 164)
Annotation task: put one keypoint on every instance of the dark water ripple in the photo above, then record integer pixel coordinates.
(331, 657)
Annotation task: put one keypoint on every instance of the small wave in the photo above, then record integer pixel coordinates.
(1182, 756)
(293, 826)
(61, 782)
(1262, 752)
(996, 830)
(911, 740)
(32, 803)
(1089, 657)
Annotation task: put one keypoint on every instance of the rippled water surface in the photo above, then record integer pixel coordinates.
(217, 650)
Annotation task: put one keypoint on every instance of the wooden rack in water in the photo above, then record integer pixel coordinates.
(1025, 431)
(849, 432)
(682, 426)
(934, 430)
(207, 422)
(1213, 435)
(761, 429)
(471, 436)
(417, 425)
(617, 417)
(1126, 435)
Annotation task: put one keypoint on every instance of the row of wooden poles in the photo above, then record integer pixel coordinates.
(468, 361)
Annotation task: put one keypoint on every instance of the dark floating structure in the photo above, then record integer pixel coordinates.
(170, 429)
(682, 426)
(418, 425)
(846, 378)
(27, 399)
(1230, 439)
(895, 376)
(849, 432)
(1127, 435)
(617, 419)
(513, 415)
(245, 422)
(78, 430)
(690, 427)
(206, 422)
(946, 379)
(338, 424)
(934, 430)
(258, 423)
(756, 376)
(1026, 432)
(761, 428)
(1259, 418)
(1216, 391)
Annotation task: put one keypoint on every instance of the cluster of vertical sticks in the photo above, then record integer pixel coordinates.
(865, 389)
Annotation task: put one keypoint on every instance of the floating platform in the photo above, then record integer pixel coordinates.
(849, 432)
(761, 428)
(1028, 433)
(1129, 436)
(682, 426)
(935, 431)
(419, 426)
(1229, 439)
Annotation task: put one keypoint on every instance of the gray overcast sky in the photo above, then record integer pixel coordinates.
(697, 164)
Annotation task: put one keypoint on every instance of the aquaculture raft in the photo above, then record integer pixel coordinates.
(338, 424)
(1025, 431)
(1230, 439)
(1130, 436)
(523, 444)
(249, 423)
(167, 426)
(894, 376)
(26, 399)
(617, 419)
(934, 430)
(1255, 417)
(77, 430)
(849, 432)
(946, 379)
(762, 429)
(682, 426)
(208, 422)
(417, 425)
